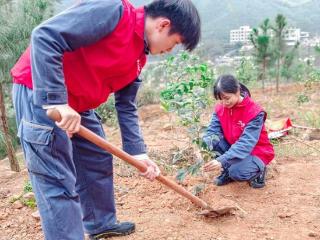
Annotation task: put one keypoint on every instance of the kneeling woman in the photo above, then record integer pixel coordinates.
(238, 135)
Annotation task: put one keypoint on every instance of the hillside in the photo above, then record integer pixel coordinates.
(219, 17)
(231, 14)
(288, 208)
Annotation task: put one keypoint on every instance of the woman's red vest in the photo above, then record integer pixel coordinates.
(234, 120)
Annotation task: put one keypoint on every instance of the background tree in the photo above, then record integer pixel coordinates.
(288, 62)
(278, 28)
(17, 19)
(260, 40)
(247, 71)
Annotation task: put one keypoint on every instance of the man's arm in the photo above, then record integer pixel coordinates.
(132, 139)
(125, 102)
(78, 26)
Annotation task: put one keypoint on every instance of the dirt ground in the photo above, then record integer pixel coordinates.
(288, 208)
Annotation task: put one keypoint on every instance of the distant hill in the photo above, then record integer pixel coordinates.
(220, 16)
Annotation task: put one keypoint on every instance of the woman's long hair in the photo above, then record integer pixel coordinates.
(229, 84)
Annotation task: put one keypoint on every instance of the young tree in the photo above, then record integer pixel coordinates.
(278, 28)
(260, 40)
(17, 21)
(187, 94)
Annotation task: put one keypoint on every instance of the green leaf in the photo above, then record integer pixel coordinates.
(184, 56)
(181, 174)
(178, 156)
(194, 169)
(165, 106)
(203, 68)
(170, 59)
(198, 189)
(27, 187)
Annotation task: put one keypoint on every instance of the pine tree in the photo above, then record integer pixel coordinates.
(260, 39)
(17, 21)
(278, 28)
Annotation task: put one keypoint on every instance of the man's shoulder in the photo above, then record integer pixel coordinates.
(105, 3)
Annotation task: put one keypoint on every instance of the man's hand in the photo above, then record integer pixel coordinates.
(212, 165)
(153, 170)
(70, 120)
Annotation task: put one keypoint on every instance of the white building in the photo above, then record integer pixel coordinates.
(312, 42)
(293, 35)
(241, 35)
(304, 35)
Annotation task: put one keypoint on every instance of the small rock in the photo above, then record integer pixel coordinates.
(20, 219)
(260, 226)
(140, 210)
(4, 194)
(29, 196)
(312, 234)
(15, 196)
(38, 225)
(285, 215)
(120, 203)
(36, 215)
(17, 205)
(4, 216)
(167, 127)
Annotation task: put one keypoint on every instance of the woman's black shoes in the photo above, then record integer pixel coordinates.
(259, 181)
(223, 179)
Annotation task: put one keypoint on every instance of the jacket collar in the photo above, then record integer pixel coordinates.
(243, 103)
(140, 27)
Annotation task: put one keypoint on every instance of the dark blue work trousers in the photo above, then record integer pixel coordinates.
(72, 178)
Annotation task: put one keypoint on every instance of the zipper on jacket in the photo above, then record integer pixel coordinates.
(231, 123)
(138, 67)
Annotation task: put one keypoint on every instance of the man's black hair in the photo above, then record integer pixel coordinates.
(229, 84)
(184, 19)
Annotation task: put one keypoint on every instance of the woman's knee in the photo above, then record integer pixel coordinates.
(239, 174)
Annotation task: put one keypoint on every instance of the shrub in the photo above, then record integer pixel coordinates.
(107, 112)
(188, 94)
(147, 95)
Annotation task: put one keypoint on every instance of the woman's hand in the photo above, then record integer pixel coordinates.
(212, 165)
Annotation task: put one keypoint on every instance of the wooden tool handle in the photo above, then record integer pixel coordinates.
(104, 144)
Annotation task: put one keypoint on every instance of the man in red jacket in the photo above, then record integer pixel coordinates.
(75, 60)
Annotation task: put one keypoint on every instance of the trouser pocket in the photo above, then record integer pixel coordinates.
(37, 143)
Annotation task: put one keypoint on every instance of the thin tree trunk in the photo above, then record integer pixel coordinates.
(264, 73)
(278, 74)
(14, 164)
(278, 61)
